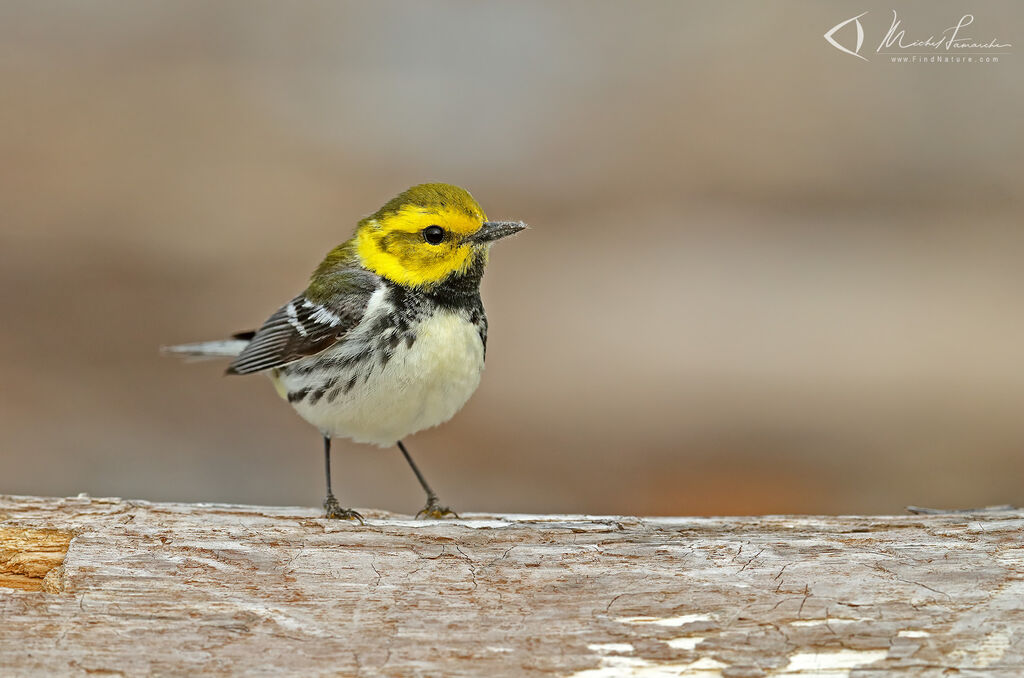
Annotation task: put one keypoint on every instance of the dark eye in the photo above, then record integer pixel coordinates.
(433, 235)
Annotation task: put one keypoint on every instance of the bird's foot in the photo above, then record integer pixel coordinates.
(333, 510)
(435, 510)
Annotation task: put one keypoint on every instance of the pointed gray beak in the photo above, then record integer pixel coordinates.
(495, 230)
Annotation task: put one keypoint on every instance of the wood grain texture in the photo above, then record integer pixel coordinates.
(28, 555)
(176, 589)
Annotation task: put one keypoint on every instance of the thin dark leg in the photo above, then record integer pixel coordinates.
(327, 464)
(432, 509)
(431, 496)
(331, 506)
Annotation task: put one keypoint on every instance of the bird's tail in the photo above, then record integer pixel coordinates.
(208, 350)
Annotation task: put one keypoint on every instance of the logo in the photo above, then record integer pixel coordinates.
(952, 45)
(860, 36)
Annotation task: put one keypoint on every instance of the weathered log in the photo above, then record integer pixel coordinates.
(176, 589)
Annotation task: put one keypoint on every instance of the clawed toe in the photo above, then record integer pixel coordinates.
(334, 511)
(435, 511)
(345, 514)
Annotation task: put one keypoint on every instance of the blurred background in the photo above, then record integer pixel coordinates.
(763, 275)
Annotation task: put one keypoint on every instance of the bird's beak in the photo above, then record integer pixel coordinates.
(495, 230)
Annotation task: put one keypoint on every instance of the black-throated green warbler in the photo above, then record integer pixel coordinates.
(389, 337)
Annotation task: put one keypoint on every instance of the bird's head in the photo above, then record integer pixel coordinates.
(426, 234)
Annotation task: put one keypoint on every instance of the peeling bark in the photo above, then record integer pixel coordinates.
(27, 556)
(218, 589)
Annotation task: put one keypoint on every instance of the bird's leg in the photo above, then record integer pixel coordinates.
(331, 506)
(432, 509)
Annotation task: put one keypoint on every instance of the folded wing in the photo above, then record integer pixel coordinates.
(299, 329)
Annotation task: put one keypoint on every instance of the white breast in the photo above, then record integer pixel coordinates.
(419, 387)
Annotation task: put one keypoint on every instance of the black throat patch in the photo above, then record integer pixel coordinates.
(459, 291)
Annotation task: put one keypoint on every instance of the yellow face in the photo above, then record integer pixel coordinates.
(422, 236)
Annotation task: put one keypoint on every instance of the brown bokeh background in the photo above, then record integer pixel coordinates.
(762, 276)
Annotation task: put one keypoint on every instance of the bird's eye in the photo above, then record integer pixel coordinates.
(433, 235)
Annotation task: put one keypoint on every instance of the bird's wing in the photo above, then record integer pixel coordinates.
(303, 327)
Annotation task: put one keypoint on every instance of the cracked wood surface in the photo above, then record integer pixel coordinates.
(182, 589)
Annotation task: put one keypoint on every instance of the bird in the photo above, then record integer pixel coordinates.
(389, 337)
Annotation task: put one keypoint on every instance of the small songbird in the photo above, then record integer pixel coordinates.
(389, 338)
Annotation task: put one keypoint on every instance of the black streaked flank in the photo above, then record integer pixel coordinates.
(298, 396)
